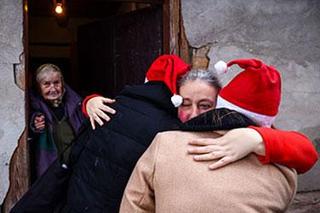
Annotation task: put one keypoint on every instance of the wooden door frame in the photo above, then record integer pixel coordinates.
(174, 38)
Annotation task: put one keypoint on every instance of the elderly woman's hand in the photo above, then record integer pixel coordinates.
(39, 122)
(232, 146)
(97, 110)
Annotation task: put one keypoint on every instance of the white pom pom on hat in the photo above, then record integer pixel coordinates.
(168, 69)
(176, 100)
(221, 67)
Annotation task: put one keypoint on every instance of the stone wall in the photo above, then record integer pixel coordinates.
(283, 33)
(12, 111)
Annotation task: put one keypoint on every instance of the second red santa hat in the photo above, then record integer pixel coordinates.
(255, 92)
(168, 69)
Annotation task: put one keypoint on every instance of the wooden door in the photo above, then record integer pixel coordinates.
(118, 51)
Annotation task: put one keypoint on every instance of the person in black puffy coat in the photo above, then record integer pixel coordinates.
(101, 173)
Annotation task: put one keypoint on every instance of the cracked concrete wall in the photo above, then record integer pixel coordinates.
(12, 111)
(283, 33)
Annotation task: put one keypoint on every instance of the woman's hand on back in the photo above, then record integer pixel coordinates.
(232, 146)
(97, 110)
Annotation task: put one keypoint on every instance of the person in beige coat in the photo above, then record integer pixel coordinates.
(167, 179)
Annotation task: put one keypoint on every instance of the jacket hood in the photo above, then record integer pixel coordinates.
(155, 92)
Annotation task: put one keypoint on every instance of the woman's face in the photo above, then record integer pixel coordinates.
(198, 97)
(51, 86)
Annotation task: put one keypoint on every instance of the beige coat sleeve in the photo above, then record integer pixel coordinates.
(139, 193)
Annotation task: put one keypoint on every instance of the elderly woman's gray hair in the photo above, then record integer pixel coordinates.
(46, 68)
(207, 76)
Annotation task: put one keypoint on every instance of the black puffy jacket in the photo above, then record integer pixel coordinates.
(101, 172)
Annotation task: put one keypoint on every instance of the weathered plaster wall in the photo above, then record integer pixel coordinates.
(283, 33)
(12, 119)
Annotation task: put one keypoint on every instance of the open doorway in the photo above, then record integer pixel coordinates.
(100, 45)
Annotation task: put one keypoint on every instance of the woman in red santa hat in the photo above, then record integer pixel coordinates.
(288, 148)
(256, 93)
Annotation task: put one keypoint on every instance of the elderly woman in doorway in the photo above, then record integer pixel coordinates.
(56, 117)
(288, 148)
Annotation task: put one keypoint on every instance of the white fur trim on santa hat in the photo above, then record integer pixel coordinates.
(221, 67)
(259, 119)
(176, 100)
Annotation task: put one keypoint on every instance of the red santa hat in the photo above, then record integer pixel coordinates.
(168, 69)
(255, 92)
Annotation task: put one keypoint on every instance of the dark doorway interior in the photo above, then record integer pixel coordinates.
(100, 45)
(118, 50)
